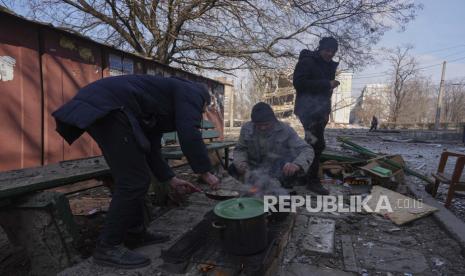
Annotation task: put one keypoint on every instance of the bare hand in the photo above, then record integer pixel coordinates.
(211, 180)
(334, 84)
(242, 168)
(290, 169)
(182, 186)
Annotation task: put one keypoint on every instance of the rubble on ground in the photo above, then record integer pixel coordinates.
(325, 243)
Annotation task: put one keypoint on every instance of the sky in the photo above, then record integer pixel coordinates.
(437, 34)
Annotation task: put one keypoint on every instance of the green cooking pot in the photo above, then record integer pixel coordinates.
(243, 225)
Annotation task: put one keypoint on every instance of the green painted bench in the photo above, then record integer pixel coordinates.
(37, 196)
(172, 150)
(207, 128)
(18, 182)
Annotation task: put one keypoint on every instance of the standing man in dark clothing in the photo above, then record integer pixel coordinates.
(127, 116)
(314, 82)
(374, 123)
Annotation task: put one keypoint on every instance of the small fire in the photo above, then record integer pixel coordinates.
(253, 190)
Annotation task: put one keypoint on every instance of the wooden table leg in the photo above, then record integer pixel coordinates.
(226, 158)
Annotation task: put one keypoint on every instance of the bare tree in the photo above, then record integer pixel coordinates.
(225, 35)
(403, 69)
(367, 107)
(454, 102)
(338, 105)
(419, 103)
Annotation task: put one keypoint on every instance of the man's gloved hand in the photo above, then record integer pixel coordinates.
(242, 168)
(183, 187)
(290, 169)
(211, 180)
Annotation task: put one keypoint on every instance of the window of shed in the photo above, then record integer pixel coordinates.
(116, 65)
(120, 66)
(154, 72)
(128, 66)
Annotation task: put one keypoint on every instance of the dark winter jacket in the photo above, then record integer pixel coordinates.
(153, 105)
(311, 80)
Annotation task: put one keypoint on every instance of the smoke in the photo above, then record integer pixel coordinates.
(319, 111)
(260, 183)
(268, 153)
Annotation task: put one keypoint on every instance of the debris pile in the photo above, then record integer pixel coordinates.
(374, 175)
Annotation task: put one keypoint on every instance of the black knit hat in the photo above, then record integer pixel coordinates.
(262, 112)
(328, 43)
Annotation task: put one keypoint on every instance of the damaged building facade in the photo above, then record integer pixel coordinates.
(280, 94)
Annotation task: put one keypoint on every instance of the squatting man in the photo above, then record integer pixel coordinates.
(271, 147)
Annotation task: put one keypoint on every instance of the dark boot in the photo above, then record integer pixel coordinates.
(119, 256)
(135, 240)
(315, 186)
(301, 181)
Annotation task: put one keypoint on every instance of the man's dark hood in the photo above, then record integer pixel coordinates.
(198, 88)
(316, 57)
(203, 91)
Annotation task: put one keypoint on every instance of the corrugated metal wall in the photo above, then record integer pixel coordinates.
(41, 68)
(20, 96)
(67, 65)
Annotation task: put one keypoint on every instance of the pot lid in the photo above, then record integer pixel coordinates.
(239, 208)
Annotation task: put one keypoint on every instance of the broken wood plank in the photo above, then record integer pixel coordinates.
(350, 262)
(328, 155)
(86, 206)
(347, 144)
(17, 182)
(78, 187)
(320, 235)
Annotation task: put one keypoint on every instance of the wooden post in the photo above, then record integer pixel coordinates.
(439, 116)
(231, 108)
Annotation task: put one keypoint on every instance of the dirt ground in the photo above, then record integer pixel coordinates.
(421, 247)
(376, 245)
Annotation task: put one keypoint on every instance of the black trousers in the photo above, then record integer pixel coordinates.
(315, 137)
(130, 171)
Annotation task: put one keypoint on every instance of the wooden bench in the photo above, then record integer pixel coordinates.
(23, 181)
(172, 150)
(29, 209)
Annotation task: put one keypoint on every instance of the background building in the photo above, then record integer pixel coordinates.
(374, 100)
(280, 93)
(229, 101)
(342, 100)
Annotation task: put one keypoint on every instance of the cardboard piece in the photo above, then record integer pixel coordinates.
(404, 209)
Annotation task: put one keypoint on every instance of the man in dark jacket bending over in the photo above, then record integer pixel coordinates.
(127, 116)
(314, 82)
